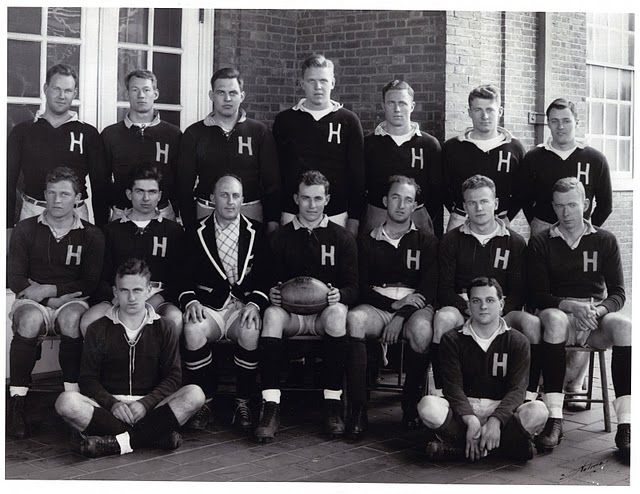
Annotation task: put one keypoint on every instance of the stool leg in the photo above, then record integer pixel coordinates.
(605, 391)
(590, 384)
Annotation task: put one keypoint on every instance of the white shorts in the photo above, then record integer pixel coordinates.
(226, 316)
(305, 325)
(49, 315)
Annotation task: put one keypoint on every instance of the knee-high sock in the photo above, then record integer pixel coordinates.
(621, 370)
(103, 423)
(434, 355)
(69, 356)
(270, 358)
(535, 368)
(157, 423)
(335, 357)
(22, 359)
(554, 364)
(357, 372)
(451, 430)
(416, 376)
(246, 363)
(200, 369)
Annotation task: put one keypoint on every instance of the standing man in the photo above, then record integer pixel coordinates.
(224, 292)
(54, 265)
(141, 139)
(484, 149)
(485, 365)
(398, 147)
(398, 281)
(56, 138)
(577, 284)
(310, 245)
(130, 376)
(227, 142)
(319, 134)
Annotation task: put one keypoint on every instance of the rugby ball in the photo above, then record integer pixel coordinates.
(304, 295)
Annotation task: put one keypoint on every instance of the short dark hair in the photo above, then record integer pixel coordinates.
(61, 69)
(486, 91)
(561, 104)
(316, 61)
(568, 184)
(62, 173)
(133, 266)
(396, 85)
(477, 182)
(227, 73)
(314, 177)
(141, 74)
(484, 281)
(402, 179)
(215, 184)
(145, 172)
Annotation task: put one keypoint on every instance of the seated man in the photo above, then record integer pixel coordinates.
(482, 246)
(577, 284)
(130, 376)
(485, 366)
(142, 232)
(398, 280)
(224, 291)
(54, 265)
(310, 245)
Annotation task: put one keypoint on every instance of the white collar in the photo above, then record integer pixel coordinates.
(379, 234)
(554, 232)
(335, 106)
(77, 222)
(381, 129)
(547, 145)
(129, 123)
(235, 224)
(501, 232)
(210, 120)
(149, 317)
(297, 225)
(73, 118)
(464, 136)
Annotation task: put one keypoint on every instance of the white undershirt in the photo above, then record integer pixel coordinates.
(318, 114)
(563, 154)
(483, 239)
(400, 140)
(484, 343)
(487, 144)
(141, 223)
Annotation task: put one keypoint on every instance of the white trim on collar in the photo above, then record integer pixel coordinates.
(554, 232)
(380, 235)
(464, 136)
(151, 315)
(297, 225)
(381, 129)
(547, 145)
(299, 106)
(501, 231)
(210, 120)
(129, 123)
(77, 222)
(74, 117)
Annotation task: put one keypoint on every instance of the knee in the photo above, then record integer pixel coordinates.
(445, 320)
(618, 328)
(554, 324)
(175, 316)
(533, 416)
(334, 320)
(430, 411)
(68, 320)
(356, 323)
(419, 333)
(194, 396)
(248, 338)
(194, 334)
(274, 321)
(29, 322)
(67, 403)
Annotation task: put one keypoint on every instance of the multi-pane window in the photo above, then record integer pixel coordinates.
(610, 70)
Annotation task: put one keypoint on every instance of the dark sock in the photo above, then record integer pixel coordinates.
(199, 369)
(451, 430)
(434, 355)
(22, 359)
(246, 363)
(554, 365)
(416, 365)
(69, 356)
(357, 372)
(535, 370)
(157, 423)
(103, 423)
(270, 357)
(621, 370)
(335, 357)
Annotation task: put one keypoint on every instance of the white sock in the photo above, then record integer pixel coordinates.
(124, 442)
(18, 390)
(554, 402)
(331, 394)
(622, 406)
(437, 392)
(271, 395)
(71, 387)
(531, 396)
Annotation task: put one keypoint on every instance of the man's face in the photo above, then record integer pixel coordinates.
(132, 291)
(485, 114)
(480, 205)
(563, 125)
(311, 201)
(141, 94)
(485, 306)
(226, 97)
(144, 196)
(400, 202)
(398, 106)
(570, 208)
(227, 198)
(61, 198)
(317, 83)
(59, 94)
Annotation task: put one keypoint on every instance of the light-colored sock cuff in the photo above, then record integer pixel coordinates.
(554, 402)
(531, 395)
(622, 406)
(437, 392)
(124, 442)
(71, 387)
(18, 390)
(332, 394)
(271, 395)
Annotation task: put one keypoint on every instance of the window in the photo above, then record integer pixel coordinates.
(610, 71)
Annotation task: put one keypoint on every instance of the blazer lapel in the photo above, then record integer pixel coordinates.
(207, 235)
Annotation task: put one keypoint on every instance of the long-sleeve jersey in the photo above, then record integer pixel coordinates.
(160, 244)
(463, 258)
(500, 373)
(128, 145)
(419, 158)
(36, 147)
(542, 168)
(328, 253)
(412, 264)
(592, 269)
(463, 159)
(248, 151)
(110, 365)
(72, 264)
(333, 145)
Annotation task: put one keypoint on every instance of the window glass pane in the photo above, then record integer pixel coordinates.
(166, 67)
(596, 82)
(596, 118)
(24, 20)
(69, 54)
(64, 21)
(611, 119)
(624, 158)
(23, 68)
(599, 18)
(167, 27)
(611, 84)
(632, 22)
(626, 80)
(173, 117)
(20, 113)
(134, 25)
(610, 151)
(590, 51)
(596, 142)
(128, 60)
(600, 43)
(625, 120)
(617, 21)
(618, 48)
(631, 51)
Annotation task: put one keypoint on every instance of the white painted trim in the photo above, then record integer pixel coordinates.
(90, 22)
(108, 67)
(205, 63)
(189, 89)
